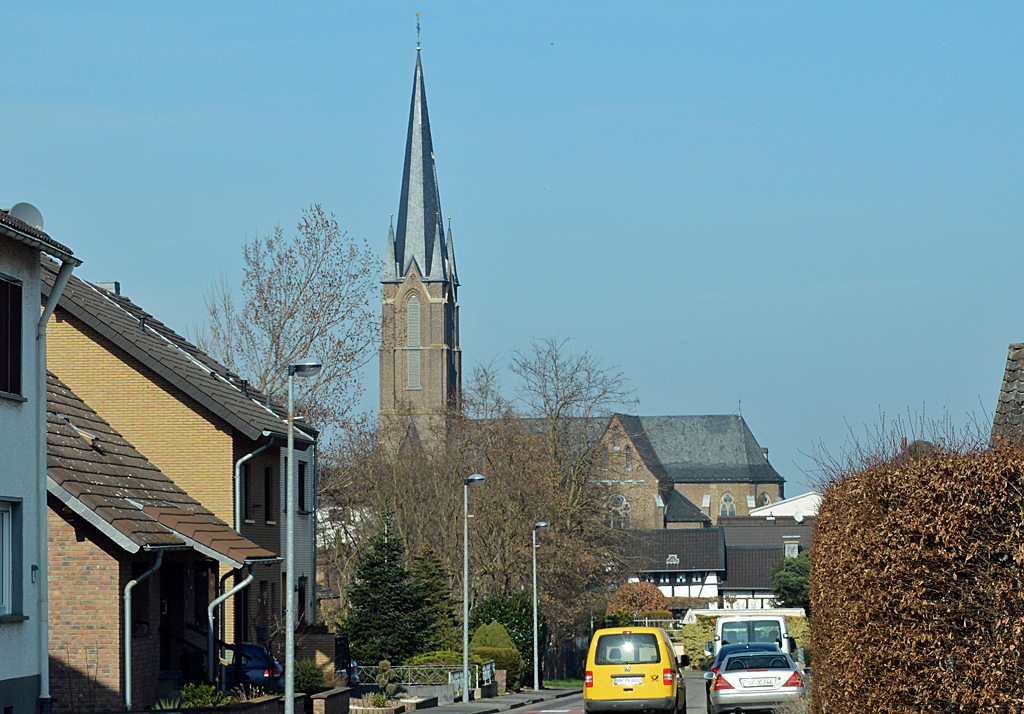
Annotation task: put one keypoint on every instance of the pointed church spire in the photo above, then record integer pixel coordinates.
(419, 235)
(452, 272)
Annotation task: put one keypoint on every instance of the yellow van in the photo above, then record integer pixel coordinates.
(634, 669)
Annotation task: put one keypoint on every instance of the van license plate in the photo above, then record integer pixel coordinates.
(628, 681)
(757, 682)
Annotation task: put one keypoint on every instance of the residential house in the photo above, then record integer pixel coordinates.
(712, 461)
(1008, 423)
(686, 564)
(806, 504)
(722, 567)
(24, 673)
(201, 425)
(133, 565)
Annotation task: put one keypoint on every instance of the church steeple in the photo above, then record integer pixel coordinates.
(419, 236)
(420, 357)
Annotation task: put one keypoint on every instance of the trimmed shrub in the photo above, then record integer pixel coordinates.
(309, 677)
(695, 637)
(506, 658)
(916, 572)
(492, 635)
(654, 615)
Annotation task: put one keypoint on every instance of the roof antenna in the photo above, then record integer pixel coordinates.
(739, 407)
(417, 32)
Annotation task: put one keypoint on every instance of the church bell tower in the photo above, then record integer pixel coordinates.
(420, 358)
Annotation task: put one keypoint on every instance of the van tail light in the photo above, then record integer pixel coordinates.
(721, 683)
(588, 680)
(666, 677)
(794, 680)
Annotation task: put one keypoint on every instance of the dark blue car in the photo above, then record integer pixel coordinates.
(255, 665)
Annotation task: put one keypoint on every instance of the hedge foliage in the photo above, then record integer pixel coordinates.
(492, 635)
(917, 588)
(506, 658)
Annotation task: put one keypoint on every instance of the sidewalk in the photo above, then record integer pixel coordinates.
(503, 702)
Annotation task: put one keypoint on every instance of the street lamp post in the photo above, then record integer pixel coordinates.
(539, 526)
(474, 480)
(302, 368)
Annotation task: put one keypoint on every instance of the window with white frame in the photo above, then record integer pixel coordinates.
(6, 557)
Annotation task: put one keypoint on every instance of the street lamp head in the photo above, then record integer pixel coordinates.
(305, 368)
(474, 480)
(540, 526)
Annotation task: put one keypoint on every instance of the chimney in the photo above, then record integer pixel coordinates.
(111, 286)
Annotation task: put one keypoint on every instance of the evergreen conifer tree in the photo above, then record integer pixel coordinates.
(388, 617)
(436, 584)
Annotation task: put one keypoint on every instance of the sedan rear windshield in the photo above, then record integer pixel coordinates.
(627, 648)
(760, 661)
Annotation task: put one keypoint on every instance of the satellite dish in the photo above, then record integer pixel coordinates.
(798, 516)
(28, 213)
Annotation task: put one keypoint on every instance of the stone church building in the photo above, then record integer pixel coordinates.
(665, 472)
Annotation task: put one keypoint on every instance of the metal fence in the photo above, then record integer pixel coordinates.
(428, 674)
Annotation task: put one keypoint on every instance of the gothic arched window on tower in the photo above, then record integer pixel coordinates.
(412, 343)
(728, 507)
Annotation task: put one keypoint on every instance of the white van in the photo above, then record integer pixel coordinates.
(739, 629)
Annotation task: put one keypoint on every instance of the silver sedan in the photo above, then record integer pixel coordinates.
(755, 681)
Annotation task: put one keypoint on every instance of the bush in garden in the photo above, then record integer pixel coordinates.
(309, 677)
(492, 635)
(508, 659)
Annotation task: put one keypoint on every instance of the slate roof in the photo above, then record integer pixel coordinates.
(750, 567)
(1008, 424)
(747, 531)
(96, 473)
(21, 231)
(699, 449)
(420, 233)
(176, 360)
(680, 509)
(684, 549)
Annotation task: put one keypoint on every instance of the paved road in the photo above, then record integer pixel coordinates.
(573, 704)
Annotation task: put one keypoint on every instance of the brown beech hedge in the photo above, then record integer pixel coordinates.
(917, 589)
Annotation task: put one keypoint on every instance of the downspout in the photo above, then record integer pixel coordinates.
(223, 622)
(63, 275)
(238, 480)
(128, 628)
(316, 524)
(209, 623)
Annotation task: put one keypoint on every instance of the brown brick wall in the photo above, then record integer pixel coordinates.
(86, 583)
(739, 491)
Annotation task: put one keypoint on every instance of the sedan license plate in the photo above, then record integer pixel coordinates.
(758, 682)
(628, 681)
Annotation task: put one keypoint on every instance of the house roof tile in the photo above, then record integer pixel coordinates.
(750, 567)
(683, 549)
(700, 449)
(94, 471)
(169, 355)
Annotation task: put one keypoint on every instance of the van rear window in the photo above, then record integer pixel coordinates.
(640, 648)
(751, 631)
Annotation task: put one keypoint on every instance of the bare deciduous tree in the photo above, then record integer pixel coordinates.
(574, 396)
(309, 296)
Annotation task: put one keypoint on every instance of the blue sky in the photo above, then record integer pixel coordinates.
(811, 209)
